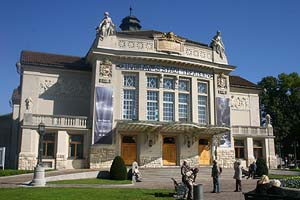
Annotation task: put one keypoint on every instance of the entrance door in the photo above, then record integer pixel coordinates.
(204, 152)
(128, 149)
(169, 151)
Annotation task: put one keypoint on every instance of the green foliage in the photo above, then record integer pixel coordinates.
(11, 172)
(81, 193)
(118, 169)
(280, 97)
(261, 167)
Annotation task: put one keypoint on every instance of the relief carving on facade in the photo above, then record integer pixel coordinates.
(240, 102)
(105, 71)
(135, 45)
(28, 104)
(170, 43)
(222, 84)
(64, 87)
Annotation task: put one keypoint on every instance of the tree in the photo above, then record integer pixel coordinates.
(261, 167)
(118, 170)
(280, 97)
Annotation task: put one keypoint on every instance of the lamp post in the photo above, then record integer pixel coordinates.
(39, 171)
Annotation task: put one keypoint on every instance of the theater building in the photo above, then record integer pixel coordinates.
(148, 96)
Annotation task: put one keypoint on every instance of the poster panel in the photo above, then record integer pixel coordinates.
(223, 111)
(225, 140)
(103, 115)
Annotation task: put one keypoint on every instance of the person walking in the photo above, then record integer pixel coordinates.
(252, 170)
(238, 176)
(186, 173)
(215, 173)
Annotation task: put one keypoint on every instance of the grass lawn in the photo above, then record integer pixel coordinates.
(91, 181)
(81, 194)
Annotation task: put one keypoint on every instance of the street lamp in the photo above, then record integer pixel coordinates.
(41, 131)
(39, 171)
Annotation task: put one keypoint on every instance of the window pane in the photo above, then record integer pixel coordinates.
(79, 153)
(129, 104)
(152, 82)
(183, 107)
(72, 150)
(168, 106)
(239, 143)
(152, 105)
(169, 84)
(202, 109)
(202, 88)
(183, 85)
(129, 81)
(50, 149)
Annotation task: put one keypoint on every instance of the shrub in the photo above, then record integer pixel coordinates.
(261, 167)
(118, 169)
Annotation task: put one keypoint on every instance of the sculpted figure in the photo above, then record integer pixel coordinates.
(106, 27)
(28, 103)
(217, 44)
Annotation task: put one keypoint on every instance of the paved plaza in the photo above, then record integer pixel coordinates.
(152, 179)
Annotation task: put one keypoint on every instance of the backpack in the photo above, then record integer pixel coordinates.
(220, 170)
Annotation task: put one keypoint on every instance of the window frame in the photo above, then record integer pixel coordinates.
(76, 143)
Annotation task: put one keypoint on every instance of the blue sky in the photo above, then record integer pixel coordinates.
(262, 38)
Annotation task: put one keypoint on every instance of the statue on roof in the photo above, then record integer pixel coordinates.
(217, 44)
(106, 27)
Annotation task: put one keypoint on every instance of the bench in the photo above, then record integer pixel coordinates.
(292, 194)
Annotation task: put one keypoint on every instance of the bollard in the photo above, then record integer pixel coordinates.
(198, 192)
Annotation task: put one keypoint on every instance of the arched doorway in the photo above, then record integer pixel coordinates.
(204, 151)
(128, 149)
(169, 151)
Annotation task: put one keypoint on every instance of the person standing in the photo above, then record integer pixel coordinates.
(252, 170)
(215, 173)
(186, 173)
(238, 176)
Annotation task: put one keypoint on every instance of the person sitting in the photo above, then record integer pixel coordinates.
(252, 170)
(263, 185)
(137, 174)
(275, 188)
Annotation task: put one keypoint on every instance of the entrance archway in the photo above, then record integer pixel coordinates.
(169, 151)
(128, 149)
(204, 151)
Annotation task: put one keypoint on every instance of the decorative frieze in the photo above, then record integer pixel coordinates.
(202, 54)
(136, 45)
(240, 102)
(163, 69)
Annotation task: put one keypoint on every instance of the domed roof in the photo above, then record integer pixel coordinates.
(130, 23)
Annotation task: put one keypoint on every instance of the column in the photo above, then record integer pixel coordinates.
(249, 150)
(62, 149)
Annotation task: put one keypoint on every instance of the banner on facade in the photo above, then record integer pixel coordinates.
(225, 140)
(103, 115)
(2, 157)
(223, 111)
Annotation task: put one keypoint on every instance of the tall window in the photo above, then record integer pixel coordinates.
(183, 99)
(152, 98)
(183, 107)
(168, 109)
(202, 103)
(76, 146)
(257, 149)
(239, 148)
(129, 97)
(48, 145)
(152, 105)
